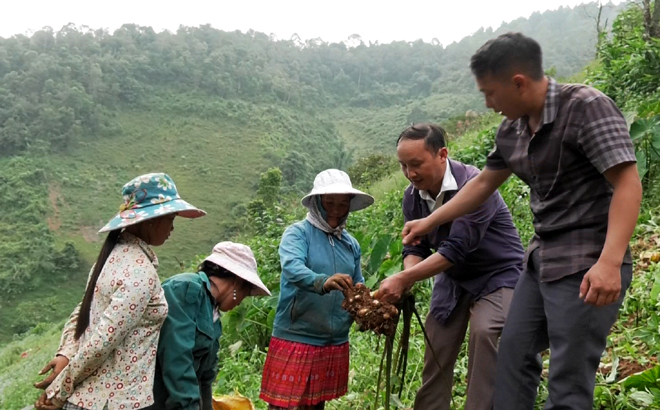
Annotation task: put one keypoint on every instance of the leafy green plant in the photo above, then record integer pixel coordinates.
(645, 133)
(629, 63)
(475, 154)
(645, 380)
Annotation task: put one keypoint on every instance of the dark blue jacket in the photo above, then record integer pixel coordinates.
(483, 246)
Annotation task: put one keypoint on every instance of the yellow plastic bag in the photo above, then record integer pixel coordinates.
(233, 402)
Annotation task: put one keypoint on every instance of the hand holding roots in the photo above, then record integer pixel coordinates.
(369, 313)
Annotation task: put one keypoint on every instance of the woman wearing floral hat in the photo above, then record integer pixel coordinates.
(307, 361)
(190, 337)
(107, 354)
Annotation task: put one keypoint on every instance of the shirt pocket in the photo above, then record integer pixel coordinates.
(203, 337)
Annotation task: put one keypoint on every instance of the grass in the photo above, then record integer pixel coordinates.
(210, 169)
(49, 303)
(84, 185)
(369, 130)
(21, 360)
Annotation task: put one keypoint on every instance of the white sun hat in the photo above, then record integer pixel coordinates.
(334, 181)
(239, 260)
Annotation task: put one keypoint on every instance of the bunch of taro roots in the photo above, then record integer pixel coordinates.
(382, 318)
(369, 313)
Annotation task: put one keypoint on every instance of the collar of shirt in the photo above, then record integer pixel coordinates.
(206, 280)
(448, 184)
(550, 107)
(130, 238)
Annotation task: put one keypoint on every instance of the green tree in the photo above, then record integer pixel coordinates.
(269, 186)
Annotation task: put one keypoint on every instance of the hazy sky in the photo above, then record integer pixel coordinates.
(332, 20)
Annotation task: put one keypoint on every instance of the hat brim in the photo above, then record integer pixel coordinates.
(258, 288)
(359, 201)
(134, 216)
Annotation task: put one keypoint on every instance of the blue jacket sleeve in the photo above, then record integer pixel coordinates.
(293, 258)
(357, 274)
(467, 231)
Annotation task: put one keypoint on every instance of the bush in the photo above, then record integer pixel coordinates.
(33, 313)
(372, 168)
(629, 65)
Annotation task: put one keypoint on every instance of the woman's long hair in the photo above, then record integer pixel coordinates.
(83, 315)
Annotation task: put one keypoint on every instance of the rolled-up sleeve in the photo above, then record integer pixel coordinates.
(68, 343)
(468, 231)
(293, 258)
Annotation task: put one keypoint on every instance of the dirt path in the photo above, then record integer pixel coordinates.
(54, 221)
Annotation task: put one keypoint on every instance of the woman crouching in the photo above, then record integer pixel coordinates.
(190, 337)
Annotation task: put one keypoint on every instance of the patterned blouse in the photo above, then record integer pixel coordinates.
(114, 361)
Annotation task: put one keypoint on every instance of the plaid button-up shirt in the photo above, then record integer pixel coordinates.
(582, 135)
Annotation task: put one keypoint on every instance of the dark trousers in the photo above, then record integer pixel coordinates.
(551, 315)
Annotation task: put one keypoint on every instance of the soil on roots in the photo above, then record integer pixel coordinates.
(369, 313)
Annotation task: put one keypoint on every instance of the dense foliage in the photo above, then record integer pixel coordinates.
(628, 73)
(214, 109)
(629, 65)
(59, 86)
(27, 249)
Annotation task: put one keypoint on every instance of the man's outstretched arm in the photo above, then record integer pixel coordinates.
(473, 194)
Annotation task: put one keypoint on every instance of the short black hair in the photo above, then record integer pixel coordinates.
(510, 51)
(434, 136)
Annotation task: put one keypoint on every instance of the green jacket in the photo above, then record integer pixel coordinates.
(188, 346)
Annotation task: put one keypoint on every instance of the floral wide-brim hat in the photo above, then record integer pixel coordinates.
(150, 196)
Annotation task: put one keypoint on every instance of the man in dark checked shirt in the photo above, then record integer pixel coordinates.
(571, 145)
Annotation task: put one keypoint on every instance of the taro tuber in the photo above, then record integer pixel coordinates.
(369, 313)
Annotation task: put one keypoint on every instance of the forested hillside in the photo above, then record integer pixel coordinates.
(82, 111)
(57, 87)
(221, 149)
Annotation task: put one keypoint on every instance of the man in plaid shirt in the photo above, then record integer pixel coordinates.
(571, 145)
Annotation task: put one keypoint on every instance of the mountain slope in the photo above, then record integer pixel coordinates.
(84, 111)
